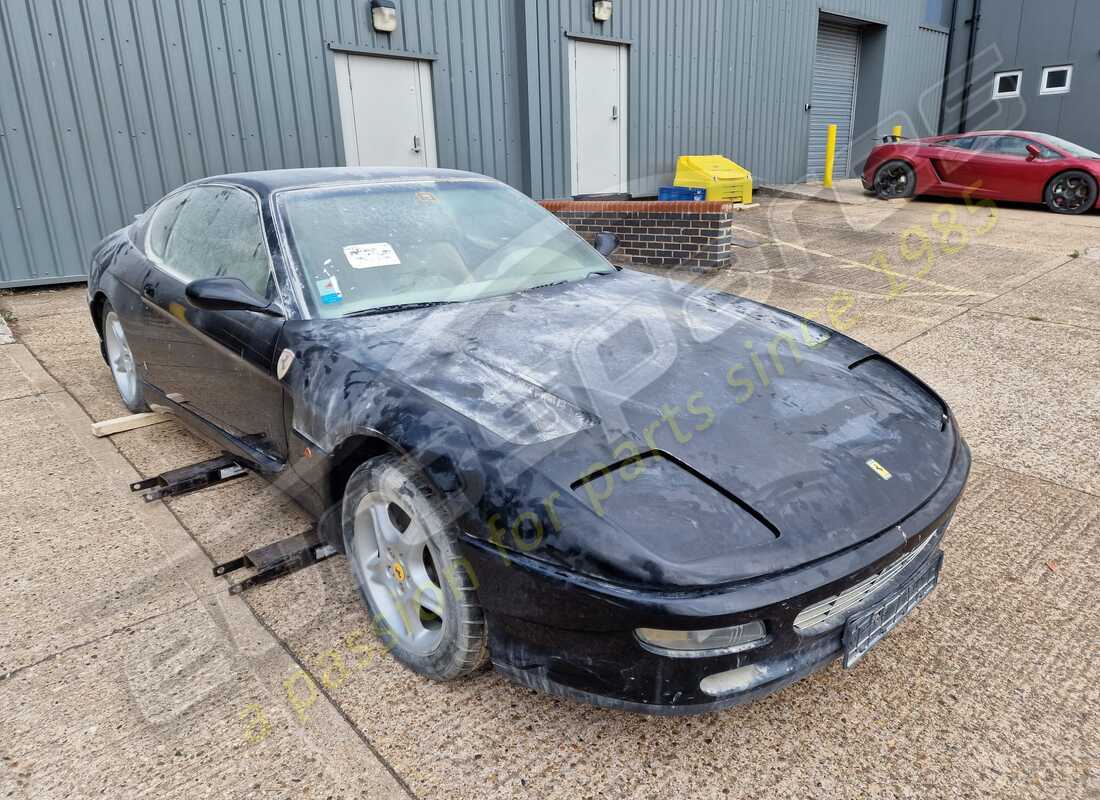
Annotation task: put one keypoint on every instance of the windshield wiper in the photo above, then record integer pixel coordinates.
(366, 312)
(559, 283)
(543, 286)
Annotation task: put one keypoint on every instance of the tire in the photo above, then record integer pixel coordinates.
(1071, 192)
(116, 349)
(895, 179)
(403, 553)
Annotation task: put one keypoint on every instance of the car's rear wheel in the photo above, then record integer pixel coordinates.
(121, 361)
(403, 552)
(1072, 192)
(895, 179)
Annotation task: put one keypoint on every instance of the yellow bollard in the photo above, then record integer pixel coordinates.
(897, 131)
(830, 156)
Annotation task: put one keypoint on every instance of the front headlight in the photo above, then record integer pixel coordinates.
(700, 644)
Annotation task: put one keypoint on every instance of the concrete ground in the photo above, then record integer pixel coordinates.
(848, 191)
(125, 670)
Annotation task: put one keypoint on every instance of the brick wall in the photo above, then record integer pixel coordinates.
(689, 235)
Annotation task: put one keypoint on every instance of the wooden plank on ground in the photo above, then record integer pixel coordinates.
(133, 421)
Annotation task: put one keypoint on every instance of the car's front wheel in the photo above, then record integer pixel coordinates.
(403, 552)
(895, 179)
(1072, 192)
(121, 361)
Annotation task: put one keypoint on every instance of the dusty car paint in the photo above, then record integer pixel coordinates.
(471, 395)
(618, 452)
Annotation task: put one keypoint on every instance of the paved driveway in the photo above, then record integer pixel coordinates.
(125, 670)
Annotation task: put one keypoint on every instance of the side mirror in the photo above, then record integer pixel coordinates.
(227, 294)
(606, 243)
(1033, 152)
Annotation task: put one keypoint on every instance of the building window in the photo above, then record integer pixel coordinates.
(937, 14)
(1056, 80)
(1007, 84)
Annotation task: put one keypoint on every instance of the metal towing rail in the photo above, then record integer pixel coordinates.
(271, 561)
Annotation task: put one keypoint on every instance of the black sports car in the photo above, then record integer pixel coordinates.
(618, 487)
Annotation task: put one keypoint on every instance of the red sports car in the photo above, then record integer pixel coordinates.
(1002, 165)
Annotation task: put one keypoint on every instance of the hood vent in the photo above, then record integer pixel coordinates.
(632, 487)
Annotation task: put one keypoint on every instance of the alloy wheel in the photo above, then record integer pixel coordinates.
(391, 552)
(120, 358)
(1070, 192)
(892, 181)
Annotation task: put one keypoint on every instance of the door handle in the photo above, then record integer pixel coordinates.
(614, 112)
(416, 144)
(149, 290)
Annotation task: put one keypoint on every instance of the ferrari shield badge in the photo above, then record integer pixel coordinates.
(879, 470)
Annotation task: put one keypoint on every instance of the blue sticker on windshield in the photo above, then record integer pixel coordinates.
(329, 290)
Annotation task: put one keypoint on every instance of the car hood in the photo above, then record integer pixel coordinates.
(765, 441)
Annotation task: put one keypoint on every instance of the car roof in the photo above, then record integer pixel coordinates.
(1029, 134)
(271, 181)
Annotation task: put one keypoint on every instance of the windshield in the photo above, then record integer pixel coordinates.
(376, 246)
(1071, 148)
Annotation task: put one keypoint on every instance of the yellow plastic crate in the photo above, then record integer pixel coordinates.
(723, 179)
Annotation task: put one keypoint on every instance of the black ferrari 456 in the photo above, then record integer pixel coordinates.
(615, 486)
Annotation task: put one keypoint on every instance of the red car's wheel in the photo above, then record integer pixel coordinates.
(1072, 192)
(895, 179)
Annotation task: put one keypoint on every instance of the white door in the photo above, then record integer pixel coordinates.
(597, 113)
(386, 109)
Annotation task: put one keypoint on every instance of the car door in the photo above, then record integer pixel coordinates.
(219, 364)
(999, 165)
(1025, 175)
(149, 337)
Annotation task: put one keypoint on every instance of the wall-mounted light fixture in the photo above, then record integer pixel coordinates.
(383, 15)
(601, 10)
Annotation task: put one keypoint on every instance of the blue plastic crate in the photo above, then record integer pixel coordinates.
(681, 193)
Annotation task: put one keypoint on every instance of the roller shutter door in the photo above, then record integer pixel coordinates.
(836, 69)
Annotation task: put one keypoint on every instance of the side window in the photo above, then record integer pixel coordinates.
(218, 233)
(1008, 146)
(937, 13)
(1007, 84)
(160, 226)
(1056, 80)
(963, 143)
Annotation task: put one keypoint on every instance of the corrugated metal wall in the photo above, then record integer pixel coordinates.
(728, 76)
(107, 104)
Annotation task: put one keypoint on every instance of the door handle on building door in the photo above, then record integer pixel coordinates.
(614, 112)
(416, 144)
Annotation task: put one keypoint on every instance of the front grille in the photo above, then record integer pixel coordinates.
(834, 610)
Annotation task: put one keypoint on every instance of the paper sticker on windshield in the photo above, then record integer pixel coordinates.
(329, 290)
(365, 256)
(426, 197)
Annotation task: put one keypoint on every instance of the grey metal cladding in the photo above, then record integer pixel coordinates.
(105, 105)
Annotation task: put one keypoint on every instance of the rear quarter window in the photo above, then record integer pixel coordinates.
(163, 220)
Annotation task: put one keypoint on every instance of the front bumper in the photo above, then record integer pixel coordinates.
(567, 635)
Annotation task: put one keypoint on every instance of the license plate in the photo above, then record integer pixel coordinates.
(866, 629)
